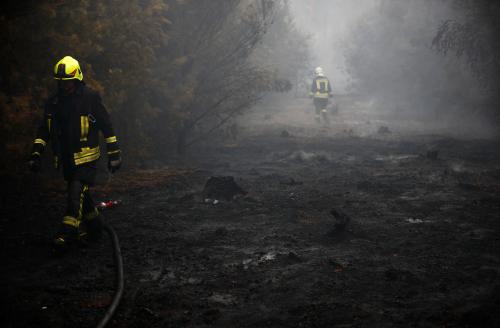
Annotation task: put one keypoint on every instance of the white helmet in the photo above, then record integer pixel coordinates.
(318, 71)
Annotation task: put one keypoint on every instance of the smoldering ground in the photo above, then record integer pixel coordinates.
(338, 229)
(387, 217)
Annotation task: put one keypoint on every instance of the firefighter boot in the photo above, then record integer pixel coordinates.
(92, 226)
(68, 233)
(324, 115)
(317, 118)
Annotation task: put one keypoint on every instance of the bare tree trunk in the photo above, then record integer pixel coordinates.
(182, 136)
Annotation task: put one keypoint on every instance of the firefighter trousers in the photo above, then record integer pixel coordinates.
(82, 217)
(320, 105)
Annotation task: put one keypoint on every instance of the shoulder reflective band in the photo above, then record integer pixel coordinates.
(111, 139)
(36, 153)
(84, 127)
(87, 155)
(71, 221)
(41, 142)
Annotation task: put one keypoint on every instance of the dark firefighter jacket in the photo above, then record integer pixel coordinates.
(321, 87)
(72, 124)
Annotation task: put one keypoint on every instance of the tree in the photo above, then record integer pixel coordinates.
(474, 36)
(391, 62)
(284, 51)
(216, 80)
(170, 72)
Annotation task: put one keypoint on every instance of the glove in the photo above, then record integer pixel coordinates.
(35, 163)
(114, 165)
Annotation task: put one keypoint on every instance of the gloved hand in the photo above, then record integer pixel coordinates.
(114, 165)
(35, 163)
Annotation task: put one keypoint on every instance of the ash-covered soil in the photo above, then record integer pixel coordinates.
(336, 229)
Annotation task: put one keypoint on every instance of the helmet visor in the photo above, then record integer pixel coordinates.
(61, 72)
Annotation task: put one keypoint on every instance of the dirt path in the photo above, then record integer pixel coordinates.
(421, 248)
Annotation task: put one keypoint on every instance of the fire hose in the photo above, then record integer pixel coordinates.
(119, 276)
(117, 254)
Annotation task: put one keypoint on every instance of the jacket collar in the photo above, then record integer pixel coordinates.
(78, 91)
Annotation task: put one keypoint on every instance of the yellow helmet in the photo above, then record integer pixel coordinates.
(318, 71)
(68, 68)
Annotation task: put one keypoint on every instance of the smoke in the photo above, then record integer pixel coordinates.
(380, 59)
(328, 23)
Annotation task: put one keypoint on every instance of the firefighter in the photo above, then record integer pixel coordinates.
(321, 90)
(72, 120)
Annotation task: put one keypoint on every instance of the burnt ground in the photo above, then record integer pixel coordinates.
(420, 248)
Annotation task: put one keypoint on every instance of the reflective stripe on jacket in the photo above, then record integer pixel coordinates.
(320, 87)
(73, 123)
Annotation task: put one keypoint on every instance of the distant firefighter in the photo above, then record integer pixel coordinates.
(72, 120)
(321, 90)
